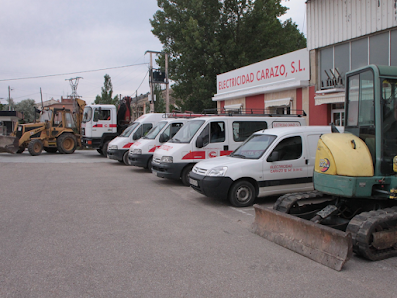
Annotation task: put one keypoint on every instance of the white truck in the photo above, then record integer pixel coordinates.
(209, 137)
(119, 147)
(141, 152)
(270, 162)
(101, 123)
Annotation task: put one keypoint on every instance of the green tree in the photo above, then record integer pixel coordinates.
(107, 93)
(207, 37)
(11, 103)
(27, 107)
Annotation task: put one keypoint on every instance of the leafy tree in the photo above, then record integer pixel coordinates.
(10, 102)
(107, 92)
(208, 37)
(27, 107)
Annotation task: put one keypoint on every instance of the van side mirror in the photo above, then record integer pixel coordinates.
(274, 156)
(199, 142)
(163, 138)
(135, 136)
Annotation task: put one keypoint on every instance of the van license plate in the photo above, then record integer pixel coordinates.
(193, 182)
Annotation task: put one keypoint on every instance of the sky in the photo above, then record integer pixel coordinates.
(44, 43)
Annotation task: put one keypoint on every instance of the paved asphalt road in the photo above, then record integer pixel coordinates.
(81, 225)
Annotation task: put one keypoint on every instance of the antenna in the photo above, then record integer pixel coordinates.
(74, 82)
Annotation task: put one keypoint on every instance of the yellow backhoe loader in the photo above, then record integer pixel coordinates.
(58, 129)
(354, 205)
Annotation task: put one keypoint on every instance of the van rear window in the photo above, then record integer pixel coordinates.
(243, 129)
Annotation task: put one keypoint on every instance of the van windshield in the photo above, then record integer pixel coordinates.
(187, 132)
(155, 130)
(253, 147)
(127, 132)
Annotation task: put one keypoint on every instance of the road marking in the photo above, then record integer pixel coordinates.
(242, 211)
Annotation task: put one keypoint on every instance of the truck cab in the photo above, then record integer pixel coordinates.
(99, 126)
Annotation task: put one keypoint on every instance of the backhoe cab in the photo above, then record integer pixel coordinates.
(354, 207)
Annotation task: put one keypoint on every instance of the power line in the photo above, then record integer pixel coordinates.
(70, 73)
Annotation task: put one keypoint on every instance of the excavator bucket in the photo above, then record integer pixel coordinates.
(330, 247)
(9, 144)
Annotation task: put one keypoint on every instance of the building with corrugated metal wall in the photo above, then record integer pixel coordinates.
(341, 35)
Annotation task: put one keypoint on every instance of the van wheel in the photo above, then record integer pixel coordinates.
(104, 149)
(149, 164)
(35, 147)
(185, 175)
(242, 194)
(125, 158)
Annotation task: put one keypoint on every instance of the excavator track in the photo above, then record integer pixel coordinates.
(289, 203)
(374, 233)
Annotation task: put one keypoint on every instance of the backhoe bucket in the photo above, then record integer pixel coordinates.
(325, 245)
(9, 144)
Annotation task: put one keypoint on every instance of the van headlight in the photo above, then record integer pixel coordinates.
(113, 147)
(167, 159)
(217, 172)
(137, 151)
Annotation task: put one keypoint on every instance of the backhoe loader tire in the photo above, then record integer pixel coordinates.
(67, 143)
(242, 194)
(35, 147)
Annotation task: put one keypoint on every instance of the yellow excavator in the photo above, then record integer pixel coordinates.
(354, 205)
(58, 129)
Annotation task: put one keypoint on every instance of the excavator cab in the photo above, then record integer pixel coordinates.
(353, 207)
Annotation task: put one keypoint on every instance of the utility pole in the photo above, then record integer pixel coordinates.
(9, 98)
(167, 100)
(167, 90)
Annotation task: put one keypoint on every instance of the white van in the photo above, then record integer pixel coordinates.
(141, 152)
(119, 147)
(270, 162)
(208, 137)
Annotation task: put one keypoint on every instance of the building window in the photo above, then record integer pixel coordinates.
(378, 49)
(393, 46)
(336, 60)
(338, 114)
(359, 53)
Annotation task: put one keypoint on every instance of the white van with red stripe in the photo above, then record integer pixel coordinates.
(141, 152)
(208, 137)
(118, 148)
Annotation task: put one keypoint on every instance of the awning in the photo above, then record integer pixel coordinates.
(329, 98)
(233, 107)
(282, 102)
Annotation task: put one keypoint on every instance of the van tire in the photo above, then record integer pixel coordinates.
(125, 158)
(242, 194)
(149, 164)
(185, 175)
(104, 149)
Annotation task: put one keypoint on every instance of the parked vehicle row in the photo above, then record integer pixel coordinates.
(233, 157)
